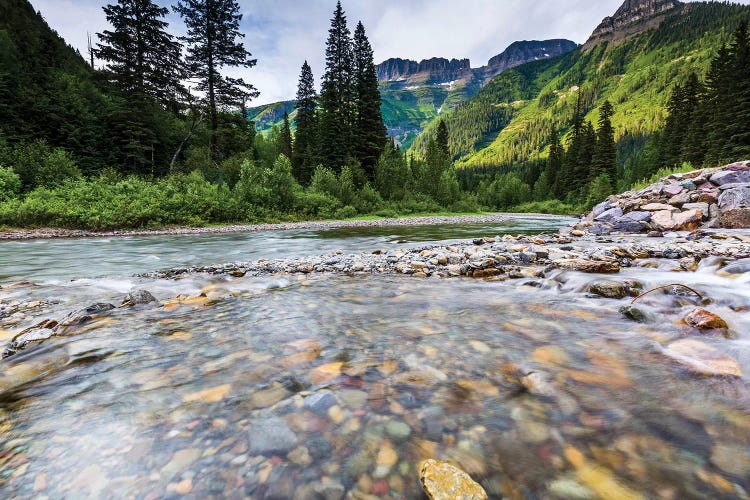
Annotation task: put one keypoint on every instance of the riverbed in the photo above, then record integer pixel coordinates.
(336, 385)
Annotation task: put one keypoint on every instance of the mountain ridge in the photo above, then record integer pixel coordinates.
(633, 17)
(438, 70)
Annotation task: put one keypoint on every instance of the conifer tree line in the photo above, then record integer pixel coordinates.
(343, 126)
(709, 119)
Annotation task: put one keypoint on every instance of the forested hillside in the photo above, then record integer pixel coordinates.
(511, 121)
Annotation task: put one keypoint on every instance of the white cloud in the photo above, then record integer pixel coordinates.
(284, 33)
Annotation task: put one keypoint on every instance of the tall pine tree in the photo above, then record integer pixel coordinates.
(443, 138)
(285, 138)
(604, 161)
(306, 143)
(336, 105)
(142, 57)
(369, 131)
(213, 34)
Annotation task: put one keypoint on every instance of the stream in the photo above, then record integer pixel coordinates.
(331, 386)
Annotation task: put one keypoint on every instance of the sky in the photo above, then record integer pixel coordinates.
(282, 34)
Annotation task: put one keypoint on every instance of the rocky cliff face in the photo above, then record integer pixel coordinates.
(522, 52)
(634, 16)
(439, 70)
(435, 70)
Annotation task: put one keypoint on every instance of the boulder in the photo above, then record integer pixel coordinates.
(680, 199)
(608, 289)
(703, 359)
(734, 185)
(659, 207)
(690, 220)
(735, 208)
(601, 208)
(663, 220)
(704, 208)
(672, 189)
(139, 297)
(591, 266)
(730, 176)
(610, 215)
(705, 320)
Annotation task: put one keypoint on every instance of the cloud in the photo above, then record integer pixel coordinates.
(282, 34)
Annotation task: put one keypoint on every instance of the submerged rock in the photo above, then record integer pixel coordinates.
(271, 436)
(703, 359)
(443, 481)
(139, 297)
(608, 289)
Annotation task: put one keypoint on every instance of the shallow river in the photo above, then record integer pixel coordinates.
(325, 387)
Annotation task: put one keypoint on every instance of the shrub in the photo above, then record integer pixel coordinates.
(38, 165)
(346, 212)
(368, 200)
(10, 184)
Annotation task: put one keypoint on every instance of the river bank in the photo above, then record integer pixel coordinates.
(57, 233)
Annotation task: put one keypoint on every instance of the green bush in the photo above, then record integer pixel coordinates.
(346, 212)
(368, 200)
(38, 165)
(314, 204)
(10, 184)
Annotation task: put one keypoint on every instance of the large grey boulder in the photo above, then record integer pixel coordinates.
(735, 208)
(732, 174)
(610, 215)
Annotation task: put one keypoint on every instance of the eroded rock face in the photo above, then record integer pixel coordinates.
(634, 16)
(443, 481)
(735, 208)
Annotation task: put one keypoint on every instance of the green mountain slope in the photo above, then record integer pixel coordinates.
(510, 121)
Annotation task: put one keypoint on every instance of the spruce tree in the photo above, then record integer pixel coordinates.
(213, 34)
(604, 161)
(336, 107)
(555, 166)
(142, 57)
(369, 131)
(737, 118)
(285, 138)
(442, 137)
(306, 144)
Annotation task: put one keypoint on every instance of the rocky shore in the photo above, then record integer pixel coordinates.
(507, 257)
(708, 198)
(51, 233)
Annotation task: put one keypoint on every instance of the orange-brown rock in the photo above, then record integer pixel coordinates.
(705, 320)
(443, 481)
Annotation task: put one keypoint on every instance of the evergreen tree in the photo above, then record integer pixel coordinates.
(143, 58)
(336, 96)
(369, 131)
(285, 138)
(604, 161)
(213, 44)
(392, 173)
(306, 147)
(442, 137)
(587, 145)
(737, 118)
(555, 166)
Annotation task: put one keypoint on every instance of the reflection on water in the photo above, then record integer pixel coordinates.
(319, 388)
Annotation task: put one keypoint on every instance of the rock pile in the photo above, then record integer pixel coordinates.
(702, 199)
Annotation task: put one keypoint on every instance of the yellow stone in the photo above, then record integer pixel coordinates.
(443, 481)
(213, 395)
(336, 414)
(480, 346)
(326, 373)
(702, 358)
(388, 367)
(387, 456)
(184, 487)
(299, 358)
(550, 355)
(598, 479)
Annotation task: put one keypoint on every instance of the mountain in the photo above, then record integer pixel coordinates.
(633, 17)
(415, 93)
(633, 59)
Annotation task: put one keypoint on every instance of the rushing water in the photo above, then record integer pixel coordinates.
(316, 387)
